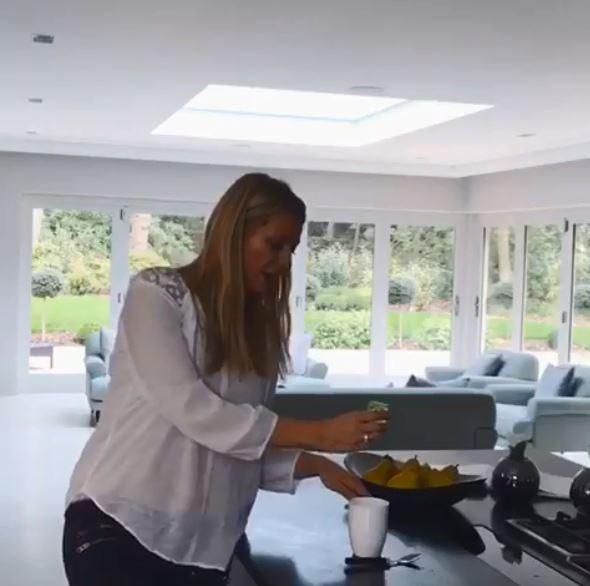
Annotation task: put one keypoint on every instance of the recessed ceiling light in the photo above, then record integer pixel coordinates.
(36, 100)
(526, 135)
(312, 118)
(43, 39)
(31, 132)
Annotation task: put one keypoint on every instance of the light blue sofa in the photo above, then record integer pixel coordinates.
(557, 424)
(312, 378)
(421, 419)
(99, 347)
(517, 367)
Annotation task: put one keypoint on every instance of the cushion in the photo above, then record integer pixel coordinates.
(415, 382)
(486, 365)
(556, 382)
(581, 382)
(299, 349)
(519, 365)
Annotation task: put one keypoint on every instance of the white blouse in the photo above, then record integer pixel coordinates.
(178, 456)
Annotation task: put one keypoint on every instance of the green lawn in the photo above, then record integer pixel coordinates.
(68, 313)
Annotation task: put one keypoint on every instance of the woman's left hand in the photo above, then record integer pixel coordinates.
(339, 480)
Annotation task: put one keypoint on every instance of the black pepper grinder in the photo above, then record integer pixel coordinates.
(515, 478)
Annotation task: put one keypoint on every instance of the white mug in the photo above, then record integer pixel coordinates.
(367, 526)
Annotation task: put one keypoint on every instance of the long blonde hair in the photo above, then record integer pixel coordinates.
(243, 334)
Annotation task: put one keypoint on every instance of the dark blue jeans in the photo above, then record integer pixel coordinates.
(98, 551)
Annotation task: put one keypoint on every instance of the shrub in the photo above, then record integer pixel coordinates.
(361, 268)
(443, 285)
(138, 261)
(339, 330)
(82, 282)
(402, 291)
(47, 283)
(434, 336)
(424, 276)
(501, 294)
(330, 266)
(312, 287)
(582, 296)
(342, 299)
(84, 332)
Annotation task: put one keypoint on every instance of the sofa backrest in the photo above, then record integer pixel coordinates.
(519, 365)
(107, 343)
(92, 346)
(420, 419)
(581, 381)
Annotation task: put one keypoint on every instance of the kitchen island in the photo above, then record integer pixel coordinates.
(302, 540)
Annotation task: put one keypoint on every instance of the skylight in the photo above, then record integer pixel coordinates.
(311, 118)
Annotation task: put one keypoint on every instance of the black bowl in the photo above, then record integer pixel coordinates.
(405, 499)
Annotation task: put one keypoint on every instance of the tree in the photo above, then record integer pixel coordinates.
(46, 284)
(504, 256)
(402, 291)
(140, 230)
(543, 261)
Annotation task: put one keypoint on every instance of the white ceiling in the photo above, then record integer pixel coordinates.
(119, 68)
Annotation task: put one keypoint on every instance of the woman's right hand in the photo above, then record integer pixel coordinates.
(349, 432)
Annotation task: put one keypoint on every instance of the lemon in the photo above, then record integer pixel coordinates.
(438, 478)
(408, 478)
(411, 464)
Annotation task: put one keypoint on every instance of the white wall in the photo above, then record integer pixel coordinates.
(565, 185)
(23, 174)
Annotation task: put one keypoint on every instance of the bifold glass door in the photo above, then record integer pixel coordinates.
(70, 285)
(377, 298)
(339, 294)
(542, 293)
(82, 257)
(580, 337)
(499, 289)
(420, 298)
(535, 281)
(163, 240)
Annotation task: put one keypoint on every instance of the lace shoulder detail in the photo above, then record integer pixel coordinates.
(168, 279)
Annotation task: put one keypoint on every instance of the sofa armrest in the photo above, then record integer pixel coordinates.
(314, 369)
(95, 367)
(512, 394)
(556, 406)
(437, 374)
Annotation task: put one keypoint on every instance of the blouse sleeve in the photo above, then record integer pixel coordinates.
(165, 374)
(278, 470)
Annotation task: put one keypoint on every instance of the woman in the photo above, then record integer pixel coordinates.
(164, 487)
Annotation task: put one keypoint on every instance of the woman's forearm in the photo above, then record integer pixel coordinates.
(308, 465)
(348, 432)
(293, 433)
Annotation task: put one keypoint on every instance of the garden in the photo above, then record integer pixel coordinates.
(71, 280)
(71, 265)
(421, 288)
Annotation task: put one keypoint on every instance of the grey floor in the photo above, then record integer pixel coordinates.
(40, 438)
